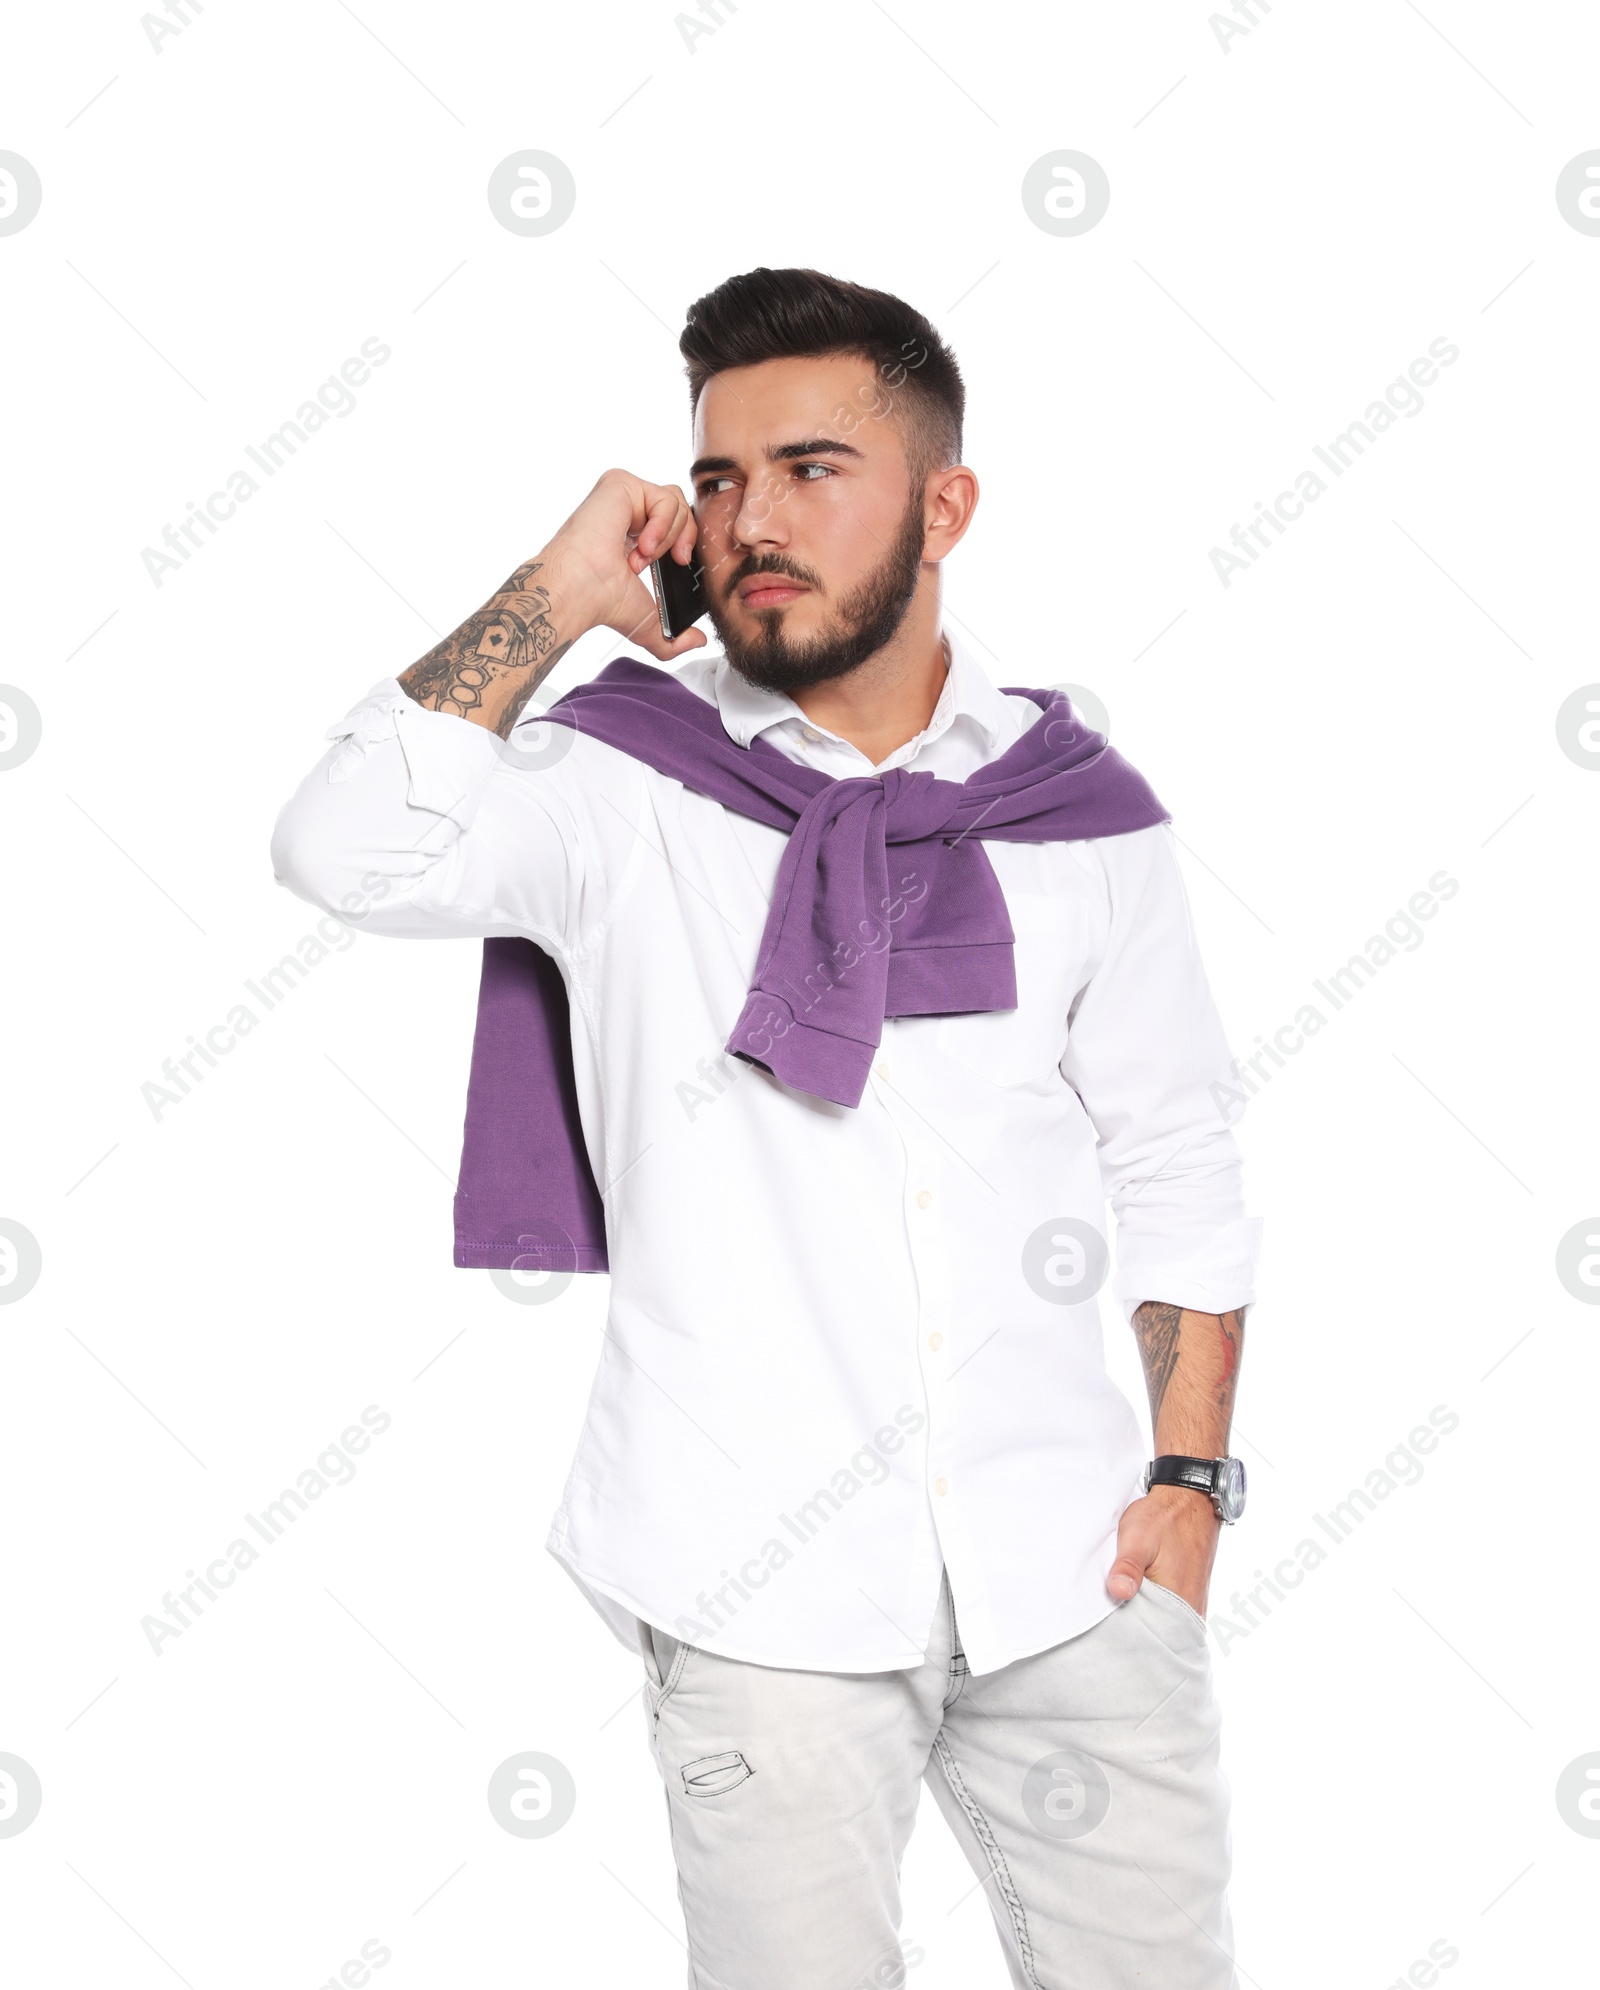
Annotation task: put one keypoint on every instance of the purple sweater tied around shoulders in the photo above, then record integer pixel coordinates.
(886, 904)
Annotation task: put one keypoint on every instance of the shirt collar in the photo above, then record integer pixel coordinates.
(967, 693)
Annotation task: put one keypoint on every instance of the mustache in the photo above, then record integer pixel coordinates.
(771, 563)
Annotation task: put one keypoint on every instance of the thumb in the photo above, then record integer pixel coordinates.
(1134, 1556)
(693, 638)
(637, 621)
(650, 638)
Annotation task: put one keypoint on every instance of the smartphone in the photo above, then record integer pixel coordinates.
(680, 593)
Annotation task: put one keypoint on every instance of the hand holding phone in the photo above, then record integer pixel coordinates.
(680, 592)
(594, 565)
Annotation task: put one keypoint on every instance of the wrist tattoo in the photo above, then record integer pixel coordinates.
(491, 666)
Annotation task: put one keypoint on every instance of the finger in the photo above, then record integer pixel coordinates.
(1125, 1576)
(1136, 1550)
(683, 545)
(665, 512)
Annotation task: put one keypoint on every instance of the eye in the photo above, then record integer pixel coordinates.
(711, 486)
(801, 469)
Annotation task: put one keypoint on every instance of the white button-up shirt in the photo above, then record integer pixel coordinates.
(844, 1346)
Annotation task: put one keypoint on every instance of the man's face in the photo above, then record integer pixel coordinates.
(810, 533)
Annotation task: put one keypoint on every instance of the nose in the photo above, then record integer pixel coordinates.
(759, 521)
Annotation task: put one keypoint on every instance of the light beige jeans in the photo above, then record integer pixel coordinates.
(1082, 1784)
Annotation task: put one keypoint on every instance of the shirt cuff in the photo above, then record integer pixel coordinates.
(448, 759)
(1214, 1273)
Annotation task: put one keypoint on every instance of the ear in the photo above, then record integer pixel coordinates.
(950, 499)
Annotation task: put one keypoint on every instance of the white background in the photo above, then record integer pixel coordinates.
(1293, 219)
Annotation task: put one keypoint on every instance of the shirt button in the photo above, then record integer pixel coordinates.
(883, 1070)
(941, 1487)
(936, 1341)
(811, 733)
(924, 1197)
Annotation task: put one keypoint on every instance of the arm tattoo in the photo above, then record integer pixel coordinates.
(492, 665)
(1232, 1326)
(1157, 1328)
(1191, 1368)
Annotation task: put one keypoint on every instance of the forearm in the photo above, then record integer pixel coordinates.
(488, 669)
(1191, 1369)
(589, 576)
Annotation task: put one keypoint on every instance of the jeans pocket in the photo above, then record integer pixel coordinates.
(715, 1775)
(1182, 1604)
(664, 1658)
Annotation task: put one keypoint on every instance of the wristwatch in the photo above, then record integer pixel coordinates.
(1222, 1480)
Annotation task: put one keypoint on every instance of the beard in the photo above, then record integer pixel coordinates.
(865, 620)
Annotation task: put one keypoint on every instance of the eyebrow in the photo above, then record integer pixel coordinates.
(784, 452)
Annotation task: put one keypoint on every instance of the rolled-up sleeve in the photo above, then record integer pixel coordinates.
(1147, 1054)
(418, 824)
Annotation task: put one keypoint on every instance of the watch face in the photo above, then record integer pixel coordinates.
(1231, 1487)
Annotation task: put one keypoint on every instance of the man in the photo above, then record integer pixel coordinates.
(854, 1478)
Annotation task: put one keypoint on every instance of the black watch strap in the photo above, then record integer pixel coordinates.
(1222, 1480)
(1199, 1473)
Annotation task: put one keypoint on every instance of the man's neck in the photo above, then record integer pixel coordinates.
(885, 701)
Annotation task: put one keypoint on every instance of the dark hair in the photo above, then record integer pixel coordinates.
(803, 314)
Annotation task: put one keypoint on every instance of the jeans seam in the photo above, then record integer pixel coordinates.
(697, 1978)
(958, 1658)
(984, 1832)
(697, 1982)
